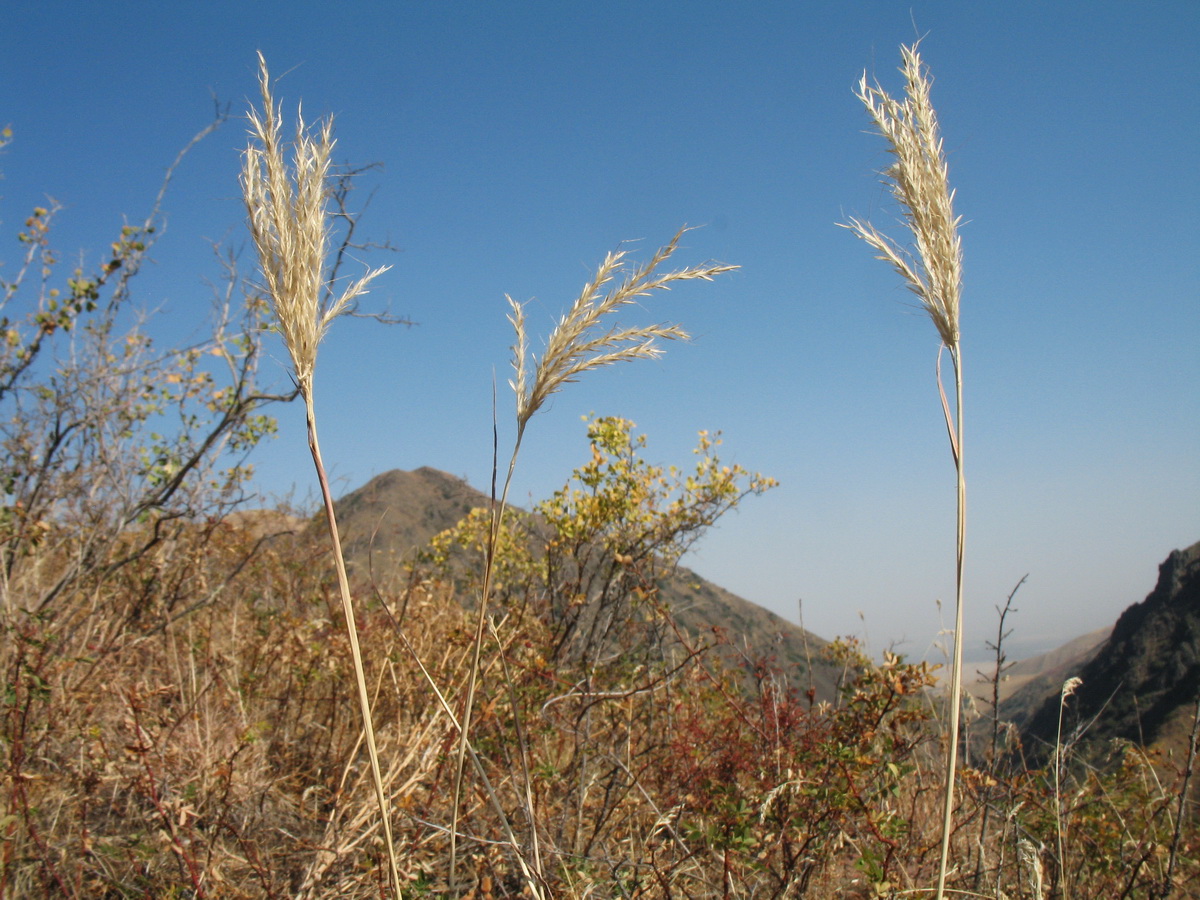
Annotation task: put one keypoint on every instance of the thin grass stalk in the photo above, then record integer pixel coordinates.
(918, 178)
(497, 520)
(364, 700)
(1069, 687)
(531, 878)
(956, 672)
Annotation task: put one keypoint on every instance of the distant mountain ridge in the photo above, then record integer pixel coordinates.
(385, 523)
(1140, 678)
(1144, 678)
(1027, 682)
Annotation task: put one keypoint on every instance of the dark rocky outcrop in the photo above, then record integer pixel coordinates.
(1143, 678)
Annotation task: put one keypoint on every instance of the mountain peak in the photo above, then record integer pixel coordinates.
(394, 514)
(389, 519)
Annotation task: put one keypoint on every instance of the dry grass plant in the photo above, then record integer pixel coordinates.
(918, 178)
(580, 342)
(290, 225)
(1181, 811)
(1070, 686)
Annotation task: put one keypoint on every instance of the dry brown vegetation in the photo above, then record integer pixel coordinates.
(220, 755)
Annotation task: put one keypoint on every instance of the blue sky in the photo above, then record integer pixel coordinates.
(521, 141)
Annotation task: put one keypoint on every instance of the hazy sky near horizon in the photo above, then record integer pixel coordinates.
(520, 142)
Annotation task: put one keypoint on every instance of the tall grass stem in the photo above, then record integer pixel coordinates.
(289, 221)
(364, 700)
(919, 180)
(577, 344)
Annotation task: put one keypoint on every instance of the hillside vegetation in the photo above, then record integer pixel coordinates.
(155, 744)
(387, 523)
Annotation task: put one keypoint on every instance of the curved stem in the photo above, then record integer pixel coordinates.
(498, 509)
(956, 434)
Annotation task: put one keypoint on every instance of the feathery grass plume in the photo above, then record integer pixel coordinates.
(919, 180)
(574, 347)
(1030, 860)
(579, 343)
(290, 224)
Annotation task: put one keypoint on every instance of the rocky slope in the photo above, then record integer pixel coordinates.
(1144, 680)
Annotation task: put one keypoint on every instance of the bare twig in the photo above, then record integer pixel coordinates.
(1181, 812)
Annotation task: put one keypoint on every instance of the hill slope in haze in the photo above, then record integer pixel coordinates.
(386, 521)
(1028, 682)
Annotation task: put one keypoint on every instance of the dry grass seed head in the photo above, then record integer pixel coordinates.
(919, 179)
(1070, 686)
(290, 226)
(578, 343)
